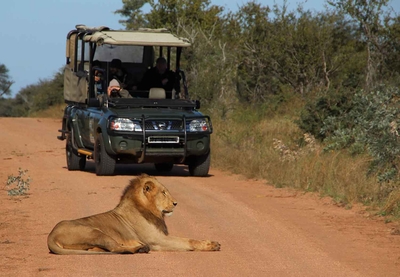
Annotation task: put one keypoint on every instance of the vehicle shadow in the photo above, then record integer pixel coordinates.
(137, 169)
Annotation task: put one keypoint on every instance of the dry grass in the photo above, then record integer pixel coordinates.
(276, 150)
(56, 111)
(392, 205)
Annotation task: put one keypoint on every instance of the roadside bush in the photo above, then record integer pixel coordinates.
(317, 111)
(372, 124)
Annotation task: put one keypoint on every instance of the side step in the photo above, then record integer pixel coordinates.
(63, 132)
(88, 153)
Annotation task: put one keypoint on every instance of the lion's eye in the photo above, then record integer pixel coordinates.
(164, 192)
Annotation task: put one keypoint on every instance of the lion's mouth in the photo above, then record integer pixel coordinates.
(167, 213)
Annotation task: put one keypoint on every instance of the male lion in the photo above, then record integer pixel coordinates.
(136, 225)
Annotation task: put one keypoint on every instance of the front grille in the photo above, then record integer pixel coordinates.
(164, 125)
(162, 139)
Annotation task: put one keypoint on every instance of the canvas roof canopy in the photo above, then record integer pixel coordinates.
(141, 37)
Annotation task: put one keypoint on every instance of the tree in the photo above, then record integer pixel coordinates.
(131, 10)
(300, 51)
(5, 82)
(35, 97)
(371, 17)
(169, 14)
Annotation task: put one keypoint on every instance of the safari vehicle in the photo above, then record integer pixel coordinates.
(164, 129)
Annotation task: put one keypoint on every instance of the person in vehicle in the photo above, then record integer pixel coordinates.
(115, 90)
(158, 77)
(98, 78)
(126, 80)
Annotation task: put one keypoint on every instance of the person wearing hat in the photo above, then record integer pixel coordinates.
(98, 78)
(159, 77)
(117, 72)
(115, 90)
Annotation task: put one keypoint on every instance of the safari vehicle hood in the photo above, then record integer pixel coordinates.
(166, 113)
(160, 108)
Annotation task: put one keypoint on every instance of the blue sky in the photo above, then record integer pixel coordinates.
(33, 33)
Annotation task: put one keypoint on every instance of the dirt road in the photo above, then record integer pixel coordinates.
(263, 231)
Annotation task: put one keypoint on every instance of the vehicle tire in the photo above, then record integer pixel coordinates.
(74, 160)
(104, 163)
(163, 167)
(200, 165)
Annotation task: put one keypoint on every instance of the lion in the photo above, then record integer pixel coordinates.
(135, 225)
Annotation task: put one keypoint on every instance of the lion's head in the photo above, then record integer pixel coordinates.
(151, 198)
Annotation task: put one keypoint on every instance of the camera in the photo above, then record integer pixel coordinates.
(115, 93)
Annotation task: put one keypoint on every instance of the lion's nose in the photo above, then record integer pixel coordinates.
(175, 203)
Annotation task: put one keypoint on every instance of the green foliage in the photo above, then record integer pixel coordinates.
(370, 124)
(48, 93)
(5, 81)
(276, 49)
(17, 185)
(6, 107)
(131, 10)
(317, 112)
(34, 98)
(373, 22)
(171, 14)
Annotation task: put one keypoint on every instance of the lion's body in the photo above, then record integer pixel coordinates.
(136, 225)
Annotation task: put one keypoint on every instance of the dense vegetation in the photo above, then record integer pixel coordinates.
(302, 98)
(34, 98)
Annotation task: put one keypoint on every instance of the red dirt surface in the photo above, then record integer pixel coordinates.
(264, 231)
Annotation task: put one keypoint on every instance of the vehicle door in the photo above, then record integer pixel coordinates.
(90, 120)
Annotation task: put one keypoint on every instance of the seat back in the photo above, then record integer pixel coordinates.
(157, 93)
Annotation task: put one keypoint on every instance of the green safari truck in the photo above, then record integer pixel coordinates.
(152, 125)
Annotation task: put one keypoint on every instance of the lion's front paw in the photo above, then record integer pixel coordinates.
(144, 249)
(214, 246)
(206, 245)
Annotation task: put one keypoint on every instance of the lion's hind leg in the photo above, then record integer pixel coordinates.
(71, 238)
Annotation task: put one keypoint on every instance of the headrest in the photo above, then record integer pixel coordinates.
(157, 93)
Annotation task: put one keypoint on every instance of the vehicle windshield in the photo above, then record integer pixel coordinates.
(126, 53)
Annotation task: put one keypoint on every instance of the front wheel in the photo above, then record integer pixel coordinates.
(74, 160)
(105, 164)
(200, 165)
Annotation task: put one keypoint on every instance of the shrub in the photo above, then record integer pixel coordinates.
(370, 125)
(316, 112)
(17, 185)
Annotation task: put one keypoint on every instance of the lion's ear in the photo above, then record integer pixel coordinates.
(148, 186)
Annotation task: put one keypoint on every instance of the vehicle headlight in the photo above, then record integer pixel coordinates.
(198, 125)
(125, 124)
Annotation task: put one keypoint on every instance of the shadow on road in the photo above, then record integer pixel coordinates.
(137, 169)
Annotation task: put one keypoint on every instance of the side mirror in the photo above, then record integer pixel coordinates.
(197, 104)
